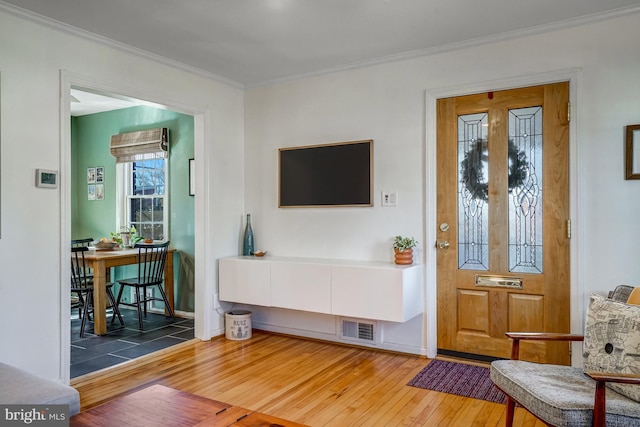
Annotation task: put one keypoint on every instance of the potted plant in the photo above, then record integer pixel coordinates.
(126, 237)
(403, 249)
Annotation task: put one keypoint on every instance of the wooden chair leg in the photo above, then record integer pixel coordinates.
(600, 405)
(511, 407)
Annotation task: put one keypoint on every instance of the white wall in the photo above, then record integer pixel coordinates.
(387, 103)
(384, 102)
(34, 222)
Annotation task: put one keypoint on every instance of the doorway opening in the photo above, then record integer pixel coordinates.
(95, 115)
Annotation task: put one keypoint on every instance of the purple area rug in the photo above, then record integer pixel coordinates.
(458, 378)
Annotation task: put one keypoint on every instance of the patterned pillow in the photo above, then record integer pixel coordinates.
(612, 341)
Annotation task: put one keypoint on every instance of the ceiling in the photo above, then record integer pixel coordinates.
(249, 43)
(84, 101)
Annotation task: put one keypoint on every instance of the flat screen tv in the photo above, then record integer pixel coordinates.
(338, 174)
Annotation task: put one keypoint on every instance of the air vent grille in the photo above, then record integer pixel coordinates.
(359, 330)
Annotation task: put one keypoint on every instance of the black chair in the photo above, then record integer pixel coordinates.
(151, 262)
(82, 287)
(78, 243)
(77, 300)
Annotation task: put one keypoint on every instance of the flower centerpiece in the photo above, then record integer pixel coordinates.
(403, 249)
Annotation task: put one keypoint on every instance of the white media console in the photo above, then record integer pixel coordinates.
(362, 289)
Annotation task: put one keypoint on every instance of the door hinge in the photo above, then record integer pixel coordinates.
(568, 229)
(568, 112)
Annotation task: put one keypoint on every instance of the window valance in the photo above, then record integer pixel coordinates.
(140, 145)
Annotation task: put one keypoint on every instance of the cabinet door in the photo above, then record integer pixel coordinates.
(391, 294)
(245, 281)
(301, 286)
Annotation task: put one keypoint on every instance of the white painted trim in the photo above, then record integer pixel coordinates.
(64, 178)
(430, 341)
(572, 75)
(304, 333)
(205, 279)
(205, 272)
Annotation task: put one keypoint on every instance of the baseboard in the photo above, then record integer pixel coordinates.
(300, 333)
(178, 313)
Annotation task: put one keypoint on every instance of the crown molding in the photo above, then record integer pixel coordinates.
(87, 35)
(509, 35)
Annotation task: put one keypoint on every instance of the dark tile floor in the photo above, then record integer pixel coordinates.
(123, 343)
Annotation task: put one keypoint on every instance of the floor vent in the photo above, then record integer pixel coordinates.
(358, 330)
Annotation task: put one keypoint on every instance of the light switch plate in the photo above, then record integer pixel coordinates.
(389, 198)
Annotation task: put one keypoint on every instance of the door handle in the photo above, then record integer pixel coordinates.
(443, 244)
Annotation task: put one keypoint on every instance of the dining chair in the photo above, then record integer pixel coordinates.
(151, 262)
(76, 243)
(77, 300)
(82, 287)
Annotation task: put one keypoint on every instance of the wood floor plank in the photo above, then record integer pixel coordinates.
(305, 381)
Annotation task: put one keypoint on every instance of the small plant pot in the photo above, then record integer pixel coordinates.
(404, 257)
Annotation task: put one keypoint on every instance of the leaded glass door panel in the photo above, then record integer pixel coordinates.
(503, 197)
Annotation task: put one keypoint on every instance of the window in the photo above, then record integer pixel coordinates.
(143, 196)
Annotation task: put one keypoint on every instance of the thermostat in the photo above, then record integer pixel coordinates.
(46, 178)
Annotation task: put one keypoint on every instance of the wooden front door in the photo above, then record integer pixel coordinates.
(502, 217)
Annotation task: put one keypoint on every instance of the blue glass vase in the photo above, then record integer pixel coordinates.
(248, 247)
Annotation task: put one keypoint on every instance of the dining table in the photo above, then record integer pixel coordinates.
(101, 262)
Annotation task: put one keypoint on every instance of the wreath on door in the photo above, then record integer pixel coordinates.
(472, 169)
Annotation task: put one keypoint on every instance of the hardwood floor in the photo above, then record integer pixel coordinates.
(310, 382)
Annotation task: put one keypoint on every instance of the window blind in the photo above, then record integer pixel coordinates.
(140, 145)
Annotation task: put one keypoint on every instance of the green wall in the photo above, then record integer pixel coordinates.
(90, 137)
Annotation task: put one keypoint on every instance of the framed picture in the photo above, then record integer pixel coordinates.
(91, 192)
(46, 178)
(99, 191)
(192, 177)
(91, 175)
(632, 152)
(100, 174)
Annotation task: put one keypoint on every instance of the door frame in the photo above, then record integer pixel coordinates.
(575, 213)
(204, 273)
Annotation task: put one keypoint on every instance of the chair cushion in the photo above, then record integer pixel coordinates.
(560, 395)
(612, 340)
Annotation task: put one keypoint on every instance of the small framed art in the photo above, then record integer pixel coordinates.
(91, 175)
(632, 152)
(99, 174)
(99, 191)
